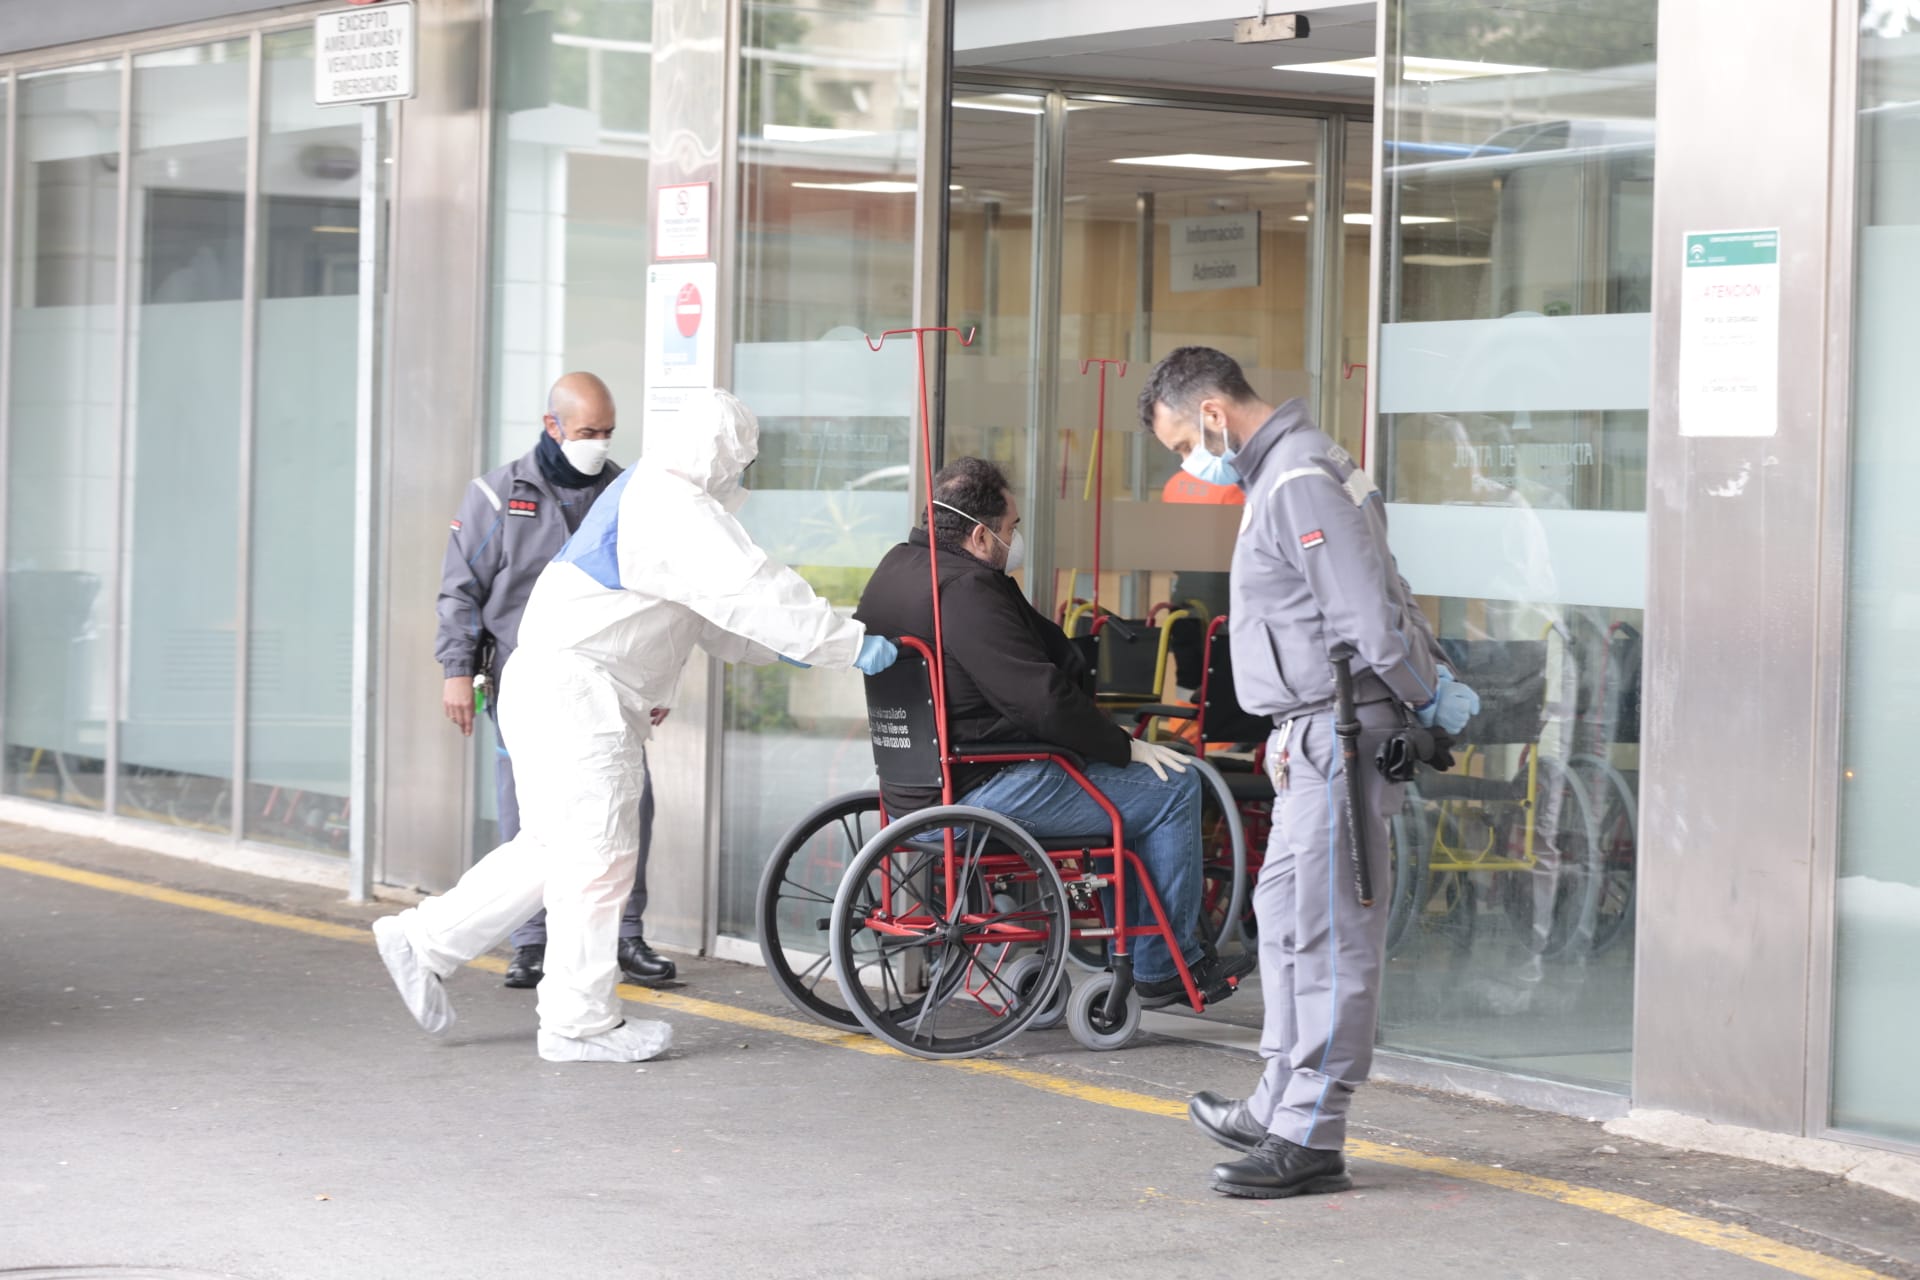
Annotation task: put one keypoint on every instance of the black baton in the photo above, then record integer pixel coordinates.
(1346, 727)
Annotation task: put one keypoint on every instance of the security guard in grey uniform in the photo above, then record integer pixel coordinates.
(512, 522)
(1311, 572)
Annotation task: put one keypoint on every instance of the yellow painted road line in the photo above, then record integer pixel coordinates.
(1721, 1236)
(178, 898)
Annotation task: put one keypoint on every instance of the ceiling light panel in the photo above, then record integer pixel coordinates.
(1216, 164)
(1419, 70)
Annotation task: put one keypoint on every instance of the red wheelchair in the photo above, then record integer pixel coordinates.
(949, 930)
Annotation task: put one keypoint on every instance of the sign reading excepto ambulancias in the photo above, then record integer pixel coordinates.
(365, 54)
(1730, 333)
(1214, 253)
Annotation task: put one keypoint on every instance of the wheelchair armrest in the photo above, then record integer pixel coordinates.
(975, 750)
(1165, 711)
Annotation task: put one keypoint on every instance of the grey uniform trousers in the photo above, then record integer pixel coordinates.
(534, 932)
(1321, 952)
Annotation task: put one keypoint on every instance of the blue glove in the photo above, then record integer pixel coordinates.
(804, 666)
(877, 653)
(1451, 708)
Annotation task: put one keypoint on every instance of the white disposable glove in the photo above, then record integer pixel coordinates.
(1156, 757)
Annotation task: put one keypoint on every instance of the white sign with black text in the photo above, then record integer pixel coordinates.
(682, 222)
(1730, 333)
(364, 54)
(1221, 252)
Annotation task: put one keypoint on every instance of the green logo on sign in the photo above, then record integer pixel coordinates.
(1734, 248)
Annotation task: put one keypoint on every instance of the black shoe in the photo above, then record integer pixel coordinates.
(527, 966)
(1226, 1121)
(1213, 973)
(1277, 1169)
(643, 964)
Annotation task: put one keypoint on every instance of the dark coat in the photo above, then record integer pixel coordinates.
(1012, 675)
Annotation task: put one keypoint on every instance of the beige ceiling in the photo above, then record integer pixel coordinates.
(1214, 63)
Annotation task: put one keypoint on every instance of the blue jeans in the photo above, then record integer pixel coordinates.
(1160, 821)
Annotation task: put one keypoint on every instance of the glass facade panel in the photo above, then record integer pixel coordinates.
(1159, 256)
(571, 243)
(991, 255)
(300, 621)
(1514, 386)
(185, 272)
(1876, 1038)
(62, 440)
(1347, 418)
(830, 100)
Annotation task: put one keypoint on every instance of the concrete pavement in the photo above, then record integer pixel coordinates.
(229, 1093)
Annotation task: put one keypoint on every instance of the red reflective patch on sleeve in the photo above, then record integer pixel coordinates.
(454, 525)
(1309, 541)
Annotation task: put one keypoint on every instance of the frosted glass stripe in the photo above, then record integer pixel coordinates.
(1523, 363)
(1523, 554)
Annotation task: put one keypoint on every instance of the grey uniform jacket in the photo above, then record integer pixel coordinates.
(511, 523)
(1311, 568)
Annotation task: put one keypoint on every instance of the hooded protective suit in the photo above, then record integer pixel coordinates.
(658, 566)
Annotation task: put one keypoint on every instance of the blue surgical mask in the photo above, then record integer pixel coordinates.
(1209, 467)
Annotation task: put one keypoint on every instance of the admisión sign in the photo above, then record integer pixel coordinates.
(364, 54)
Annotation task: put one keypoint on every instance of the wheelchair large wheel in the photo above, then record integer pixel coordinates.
(1409, 860)
(1226, 903)
(1615, 819)
(924, 948)
(1569, 875)
(795, 904)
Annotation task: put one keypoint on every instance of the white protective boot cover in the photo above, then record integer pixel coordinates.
(628, 1042)
(425, 998)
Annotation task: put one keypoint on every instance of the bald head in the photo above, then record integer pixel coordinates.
(579, 408)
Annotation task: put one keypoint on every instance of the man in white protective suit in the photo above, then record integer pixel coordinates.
(658, 566)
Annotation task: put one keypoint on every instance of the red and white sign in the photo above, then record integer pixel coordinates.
(682, 222)
(686, 310)
(680, 333)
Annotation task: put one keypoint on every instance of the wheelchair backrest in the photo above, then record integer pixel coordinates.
(901, 723)
(1223, 718)
(1511, 678)
(1129, 660)
(1088, 648)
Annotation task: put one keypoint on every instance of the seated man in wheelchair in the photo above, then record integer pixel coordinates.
(1013, 676)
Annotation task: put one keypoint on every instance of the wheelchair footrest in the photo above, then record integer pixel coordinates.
(1208, 996)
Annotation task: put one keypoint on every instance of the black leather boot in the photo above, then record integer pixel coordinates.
(1226, 1121)
(643, 964)
(1277, 1168)
(527, 966)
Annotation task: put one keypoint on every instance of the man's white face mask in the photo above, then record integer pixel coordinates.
(588, 457)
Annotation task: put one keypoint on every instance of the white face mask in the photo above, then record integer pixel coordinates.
(588, 457)
(1016, 549)
(1016, 552)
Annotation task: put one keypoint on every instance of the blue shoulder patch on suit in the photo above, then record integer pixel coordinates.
(595, 545)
